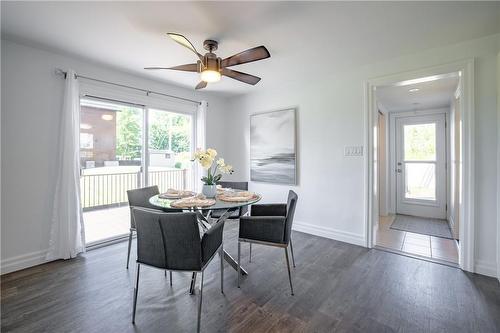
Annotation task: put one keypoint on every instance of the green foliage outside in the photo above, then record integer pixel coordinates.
(420, 142)
(167, 131)
(128, 134)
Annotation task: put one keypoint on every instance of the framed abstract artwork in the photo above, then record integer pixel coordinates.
(273, 155)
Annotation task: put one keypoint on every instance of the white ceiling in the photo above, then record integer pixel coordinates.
(431, 95)
(304, 38)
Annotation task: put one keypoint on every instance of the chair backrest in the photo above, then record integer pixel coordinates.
(140, 198)
(235, 185)
(168, 240)
(290, 212)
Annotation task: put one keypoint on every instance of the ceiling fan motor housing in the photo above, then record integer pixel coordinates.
(211, 62)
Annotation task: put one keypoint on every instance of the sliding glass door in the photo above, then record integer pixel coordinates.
(111, 158)
(114, 139)
(170, 145)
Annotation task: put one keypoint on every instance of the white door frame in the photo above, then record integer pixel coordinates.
(466, 83)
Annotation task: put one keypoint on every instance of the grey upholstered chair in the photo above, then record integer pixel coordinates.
(238, 212)
(140, 198)
(171, 241)
(269, 224)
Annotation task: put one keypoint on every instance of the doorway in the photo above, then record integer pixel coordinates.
(458, 166)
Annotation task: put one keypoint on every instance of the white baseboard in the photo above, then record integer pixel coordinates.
(23, 261)
(486, 268)
(339, 235)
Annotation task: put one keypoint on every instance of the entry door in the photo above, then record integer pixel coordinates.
(421, 166)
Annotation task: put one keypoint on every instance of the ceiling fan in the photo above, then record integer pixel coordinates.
(211, 67)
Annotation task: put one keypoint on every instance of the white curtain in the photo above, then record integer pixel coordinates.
(67, 236)
(201, 133)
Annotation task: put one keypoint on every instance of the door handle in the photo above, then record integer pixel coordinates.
(398, 170)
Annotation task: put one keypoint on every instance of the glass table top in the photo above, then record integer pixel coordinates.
(219, 204)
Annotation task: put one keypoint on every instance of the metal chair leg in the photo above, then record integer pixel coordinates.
(136, 290)
(239, 265)
(291, 250)
(129, 246)
(221, 255)
(250, 256)
(199, 303)
(288, 266)
(170, 278)
(193, 282)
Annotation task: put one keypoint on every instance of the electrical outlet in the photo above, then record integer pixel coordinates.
(353, 151)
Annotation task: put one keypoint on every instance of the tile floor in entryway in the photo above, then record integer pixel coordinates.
(417, 244)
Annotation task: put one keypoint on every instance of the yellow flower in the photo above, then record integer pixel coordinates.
(227, 169)
(220, 162)
(212, 152)
(206, 163)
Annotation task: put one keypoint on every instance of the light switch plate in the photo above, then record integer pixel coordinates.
(353, 151)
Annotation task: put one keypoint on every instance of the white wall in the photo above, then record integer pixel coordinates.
(330, 116)
(31, 104)
(498, 166)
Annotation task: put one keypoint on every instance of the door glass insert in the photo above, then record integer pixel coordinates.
(420, 182)
(420, 161)
(420, 142)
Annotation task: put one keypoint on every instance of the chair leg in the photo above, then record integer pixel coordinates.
(129, 246)
(221, 255)
(170, 278)
(136, 290)
(291, 250)
(288, 266)
(239, 265)
(250, 256)
(193, 282)
(199, 303)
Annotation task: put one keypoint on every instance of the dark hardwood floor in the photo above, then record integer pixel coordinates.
(338, 287)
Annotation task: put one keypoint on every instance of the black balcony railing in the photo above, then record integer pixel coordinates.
(110, 189)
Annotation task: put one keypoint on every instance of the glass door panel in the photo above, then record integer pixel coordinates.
(110, 159)
(420, 181)
(420, 161)
(170, 139)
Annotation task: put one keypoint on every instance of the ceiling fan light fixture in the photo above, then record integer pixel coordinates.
(209, 75)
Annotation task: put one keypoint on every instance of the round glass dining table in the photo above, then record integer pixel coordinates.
(165, 204)
(203, 214)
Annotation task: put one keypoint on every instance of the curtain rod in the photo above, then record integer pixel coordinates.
(148, 92)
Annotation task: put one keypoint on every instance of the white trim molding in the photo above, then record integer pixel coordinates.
(485, 268)
(335, 234)
(465, 69)
(23, 261)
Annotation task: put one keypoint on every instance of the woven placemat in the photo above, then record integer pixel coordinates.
(237, 198)
(192, 202)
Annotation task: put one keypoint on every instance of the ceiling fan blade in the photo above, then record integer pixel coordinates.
(200, 85)
(257, 53)
(186, 68)
(243, 77)
(184, 42)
